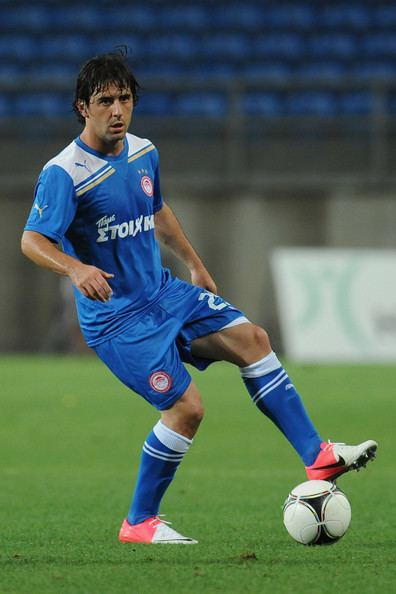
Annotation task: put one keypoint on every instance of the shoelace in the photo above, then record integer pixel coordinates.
(159, 519)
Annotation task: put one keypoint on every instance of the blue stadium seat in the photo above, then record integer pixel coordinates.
(211, 70)
(17, 47)
(243, 17)
(65, 47)
(134, 19)
(212, 104)
(6, 107)
(375, 69)
(156, 104)
(263, 103)
(356, 102)
(279, 71)
(281, 45)
(312, 103)
(87, 18)
(324, 70)
(188, 18)
(392, 103)
(173, 45)
(384, 16)
(44, 104)
(55, 72)
(290, 16)
(345, 16)
(235, 46)
(12, 73)
(335, 45)
(26, 18)
(379, 44)
(158, 69)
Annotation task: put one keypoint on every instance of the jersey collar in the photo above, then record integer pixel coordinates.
(90, 150)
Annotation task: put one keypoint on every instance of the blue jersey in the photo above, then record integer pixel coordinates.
(101, 209)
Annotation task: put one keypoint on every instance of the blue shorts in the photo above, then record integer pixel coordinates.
(148, 355)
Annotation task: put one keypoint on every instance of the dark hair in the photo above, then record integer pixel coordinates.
(99, 72)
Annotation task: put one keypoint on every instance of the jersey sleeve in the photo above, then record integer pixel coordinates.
(158, 201)
(55, 204)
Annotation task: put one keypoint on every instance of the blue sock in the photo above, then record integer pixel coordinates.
(273, 393)
(163, 451)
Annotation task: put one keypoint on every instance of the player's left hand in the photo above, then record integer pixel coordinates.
(200, 277)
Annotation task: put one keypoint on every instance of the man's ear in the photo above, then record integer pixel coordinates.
(82, 108)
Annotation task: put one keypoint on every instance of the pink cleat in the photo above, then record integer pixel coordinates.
(334, 459)
(152, 530)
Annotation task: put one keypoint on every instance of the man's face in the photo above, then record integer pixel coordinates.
(108, 115)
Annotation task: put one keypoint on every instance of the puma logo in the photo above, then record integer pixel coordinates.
(40, 210)
(83, 165)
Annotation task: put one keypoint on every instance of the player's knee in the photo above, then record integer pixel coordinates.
(194, 414)
(260, 337)
(256, 345)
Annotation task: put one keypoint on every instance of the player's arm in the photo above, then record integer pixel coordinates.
(171, 234)
(89, 280)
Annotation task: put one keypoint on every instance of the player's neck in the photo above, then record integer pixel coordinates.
(111, 149)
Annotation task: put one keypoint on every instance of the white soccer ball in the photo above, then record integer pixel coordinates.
(316, 513)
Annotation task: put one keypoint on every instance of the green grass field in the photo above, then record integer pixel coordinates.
(71, 436)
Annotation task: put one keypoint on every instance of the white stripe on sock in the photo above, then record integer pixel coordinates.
(275, 379)
(161, 457)
(166, 454)
(270, 389)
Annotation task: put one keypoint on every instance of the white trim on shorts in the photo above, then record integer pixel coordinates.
(236, 322)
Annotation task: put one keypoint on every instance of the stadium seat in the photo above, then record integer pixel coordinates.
(384, 17)
(25, 18)
(265, 104)
(66, 18)
(243, 17)
(12, 74)
(291, 16)
(379, 45)
(6, 107)
(172, 46)
(277, 71)
(43, 72)
(281, 45)
(324, 70)
(185, 18)
(312, 103)
(234, 46)
(17, 48)
(201, 104)
(356, 102)
(345, 16)
(375, 69)
(156, 104)
(64, 47)
(336, 45)
(211, 70)
(44, 104)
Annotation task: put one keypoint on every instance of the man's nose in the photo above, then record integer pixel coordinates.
(116, 107)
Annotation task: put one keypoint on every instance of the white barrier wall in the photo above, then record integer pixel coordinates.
(336, 304)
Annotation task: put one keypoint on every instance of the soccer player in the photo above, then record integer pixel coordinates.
(101, 199)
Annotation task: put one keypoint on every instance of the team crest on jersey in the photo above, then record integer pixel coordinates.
(147, 186)
(160, 381)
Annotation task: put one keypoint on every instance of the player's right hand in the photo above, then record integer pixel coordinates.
(92, 282)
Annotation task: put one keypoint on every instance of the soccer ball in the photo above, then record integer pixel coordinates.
(316, 513)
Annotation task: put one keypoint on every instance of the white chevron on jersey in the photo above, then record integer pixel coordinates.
(87, 170)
